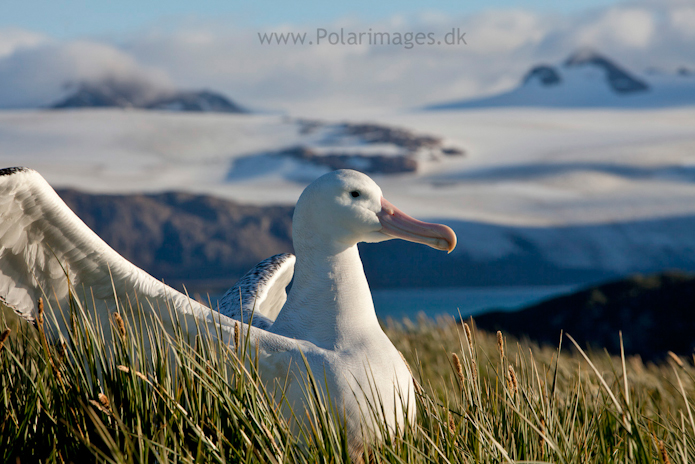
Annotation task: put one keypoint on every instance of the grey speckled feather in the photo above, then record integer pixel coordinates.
(260, 292)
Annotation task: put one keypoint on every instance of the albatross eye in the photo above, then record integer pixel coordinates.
(355, 194)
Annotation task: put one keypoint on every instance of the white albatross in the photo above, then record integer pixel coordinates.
(328, 318)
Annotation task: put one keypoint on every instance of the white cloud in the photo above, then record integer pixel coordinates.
(40, 75)
(683, 21)
(289, 76)
(504, 31)
(13, 39)
(619, 27)
(502, 45)
(639, 35)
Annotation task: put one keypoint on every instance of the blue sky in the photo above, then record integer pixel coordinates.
(78, 18)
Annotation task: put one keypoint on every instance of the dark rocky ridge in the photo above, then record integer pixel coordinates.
(376, 133)
(199, 239)
(207, 243)
(370, 164)
(335, 156)
(547, 75)
(656, 314)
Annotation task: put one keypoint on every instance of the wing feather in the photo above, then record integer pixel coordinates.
(41, 240)
(260, 292)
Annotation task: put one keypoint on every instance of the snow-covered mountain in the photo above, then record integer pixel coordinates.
(589, 79)
(114, 94)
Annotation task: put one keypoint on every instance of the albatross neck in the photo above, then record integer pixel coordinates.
(330, 303)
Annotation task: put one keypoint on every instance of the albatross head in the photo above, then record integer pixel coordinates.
(346, 207)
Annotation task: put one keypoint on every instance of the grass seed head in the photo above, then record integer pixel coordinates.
(512, 380)
(236, 336)
(138, 374)
(61, 351)
(57, 373)
(469, 335)
(103, 399)
(39, 318)
(676, 359)
(120, 324)
(662, 451)
(101, 405)
(500, 343)
(458, 368)
(3, 336)
(39, 326)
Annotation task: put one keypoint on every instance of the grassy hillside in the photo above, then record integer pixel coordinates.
(482, 397)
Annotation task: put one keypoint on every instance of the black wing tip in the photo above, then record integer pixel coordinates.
(27, 317)
(13, 170)
(280, 257)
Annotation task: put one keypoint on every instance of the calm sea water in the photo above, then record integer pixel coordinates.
(468, 301)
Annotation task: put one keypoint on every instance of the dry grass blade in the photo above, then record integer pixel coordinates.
(418, 387)
(622, 363)
(598, 375)
(687, 401)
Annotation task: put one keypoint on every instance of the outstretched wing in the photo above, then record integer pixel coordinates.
(260, 294)
(42, 242)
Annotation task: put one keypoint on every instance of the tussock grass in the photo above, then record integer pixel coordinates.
(521, 402)
(101, 395)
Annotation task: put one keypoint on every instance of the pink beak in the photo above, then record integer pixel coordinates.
(396, 223)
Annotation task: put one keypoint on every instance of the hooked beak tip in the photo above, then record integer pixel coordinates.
(396, 223)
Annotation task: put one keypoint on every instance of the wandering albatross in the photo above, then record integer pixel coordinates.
(328, 318)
